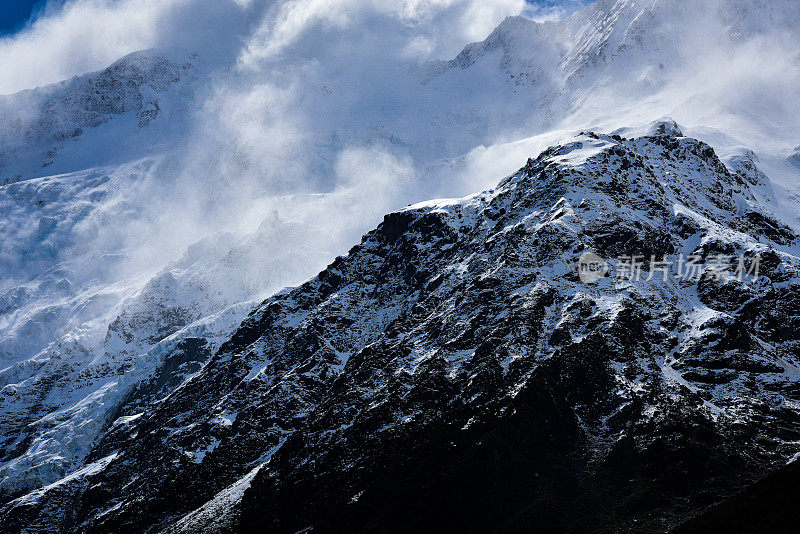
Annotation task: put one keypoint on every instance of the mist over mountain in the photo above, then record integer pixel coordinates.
(166, 167)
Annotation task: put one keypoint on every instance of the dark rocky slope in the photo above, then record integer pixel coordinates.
(767, 507)
(453, 372)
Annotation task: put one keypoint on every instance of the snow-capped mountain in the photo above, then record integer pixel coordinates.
(458, 334)
(61, 128)
(148, 208)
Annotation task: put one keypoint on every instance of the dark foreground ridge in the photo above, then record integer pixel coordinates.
(452, 372)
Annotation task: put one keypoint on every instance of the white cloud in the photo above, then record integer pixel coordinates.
(432, 28)
(85, 35)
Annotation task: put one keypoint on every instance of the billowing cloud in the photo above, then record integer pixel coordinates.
(80, 36)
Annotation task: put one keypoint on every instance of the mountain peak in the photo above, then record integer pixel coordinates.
(454, 323)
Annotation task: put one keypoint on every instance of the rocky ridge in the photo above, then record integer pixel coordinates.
(454, 365)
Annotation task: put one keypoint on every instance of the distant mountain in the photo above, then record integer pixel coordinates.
(44, 128)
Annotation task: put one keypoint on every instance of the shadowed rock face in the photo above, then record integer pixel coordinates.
(768, 506)
(452, 371)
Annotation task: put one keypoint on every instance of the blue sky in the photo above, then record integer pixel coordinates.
(14, 13)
